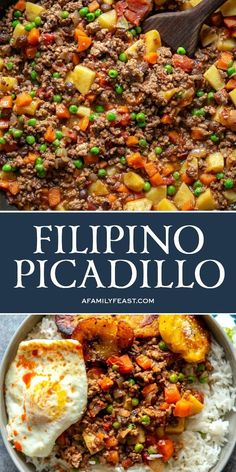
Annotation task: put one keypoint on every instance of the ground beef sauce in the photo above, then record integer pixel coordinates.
(97, 116)
(138, 403)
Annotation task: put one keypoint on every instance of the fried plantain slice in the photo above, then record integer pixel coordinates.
(66, 324)
(102, 336)
(185, 335)
(144, 326)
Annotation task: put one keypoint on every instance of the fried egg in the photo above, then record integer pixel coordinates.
(46, 392)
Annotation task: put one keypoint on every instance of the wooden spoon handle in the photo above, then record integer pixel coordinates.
(205, 8)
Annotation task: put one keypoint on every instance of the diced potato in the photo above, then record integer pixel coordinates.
(18, 32)
(1, 63)
(152, 41)
(84, 111)
(185, 6)
(133, 181)
(32, 10)
(197, 406)
(206, 201)
(226, 44)
(165, 205)
(213, 76)
(215, 162)
(228, 8)
(108, 20)
(91, 443)
(111, 171)
(168, 94)
(207, 36)
(217, 114)
(230, 195)
(142, 204)
(160, 432)
(7, 84)
(7, 175)
(233, 96)
(177, 428)
(133, 48)
(108, 2)
(184, 196)
(98, 188)
(27, 110)
(156, 194)
(82, 77)
(194, 3)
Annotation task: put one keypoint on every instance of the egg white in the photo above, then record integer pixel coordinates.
(46, 392)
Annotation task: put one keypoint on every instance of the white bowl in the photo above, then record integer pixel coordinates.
(27, 326)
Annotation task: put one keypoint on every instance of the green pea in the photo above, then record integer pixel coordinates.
(181, 377)
(168, 68)
(111, 116)
(123, 57)
(15, 23)
(176, 175)
(173, 378)
(56, 143)
(138, 29)
(133, 116)
(133, 32)
(146, 186)
(171, 189)
(143, 143)
(131, 426)
(200, 93)
(93, 117)
(138, 448)
(198, 112)
(7, 168)
(57, 98)
(119, 89)
(220, 175)
(102, 173)
(115, 367)
(38, 161)
(197, 191)
(214, 138)
(203, 379)
(2, 140)
(135, 401)
(191, 378)
(38, 20)
(113, 73)
(32, 93)
(30, 140)
(158, 150)
(33, 75)
(9, 65)
(90, 17)
(181, 51)
(73, 109)
(145, 420)
(32, 122)
(64, 14)
(197, 183)
(17, 133)
(17, 14)
(39, 167)
(99, 108)
(231, 71)
(38, 54)
(152, 450)
(123, 160)
(59, 134)
(83, 11)
(95, 150)
(140, 117)
(42, 147)
(163, 346)
(78, 164)
(97, 12)
(211, 95)
(228, 183)
(201, 368)
(29, 26)
(56, 75)
(131, 381)
(116, 425)
(109, 409)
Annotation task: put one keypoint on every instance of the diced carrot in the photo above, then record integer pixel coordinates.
(197, 133)
(123, 189)
(124, 363)
(164, 406)
(136, 160)
(166, 119)
(231, 84)
(93, 6)
(183, 62)
(62, 111)
(4, 123)
(166, 448)
(14, 187)
(84, 41)
(127, 463)
(151, 57)
(54, 197)
(150, 168)
(186, 179)
(148, 389)
(224, 60)
(174, 137)
(90, 159)
(50, 135)
(167, 169)
(111, 442)
(4, 184)
(23, 100)
(187, 206)
(132, 141)
(112, 457)
(30, 158)
(123, 109)
(183, 408)
(106, 383)
(6, 102)
(172, 394)
(83, 123)
(33, 37)
(91, 97)
(20, 5)
(75, 58)
(156, 179)
(144, 362)
(30, 52)
(112, 198)
(230, 21)
(207, 179)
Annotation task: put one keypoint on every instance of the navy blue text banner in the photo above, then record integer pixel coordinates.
(117, 262)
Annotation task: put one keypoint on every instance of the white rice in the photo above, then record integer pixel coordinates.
(206, 433)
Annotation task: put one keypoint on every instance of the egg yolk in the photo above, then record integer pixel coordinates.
(45, 401)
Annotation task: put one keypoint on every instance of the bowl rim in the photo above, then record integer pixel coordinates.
(27, 325)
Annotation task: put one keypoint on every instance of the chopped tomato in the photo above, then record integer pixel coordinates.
(106, 383)
(166, 448)
(49, 38)
(183, 62)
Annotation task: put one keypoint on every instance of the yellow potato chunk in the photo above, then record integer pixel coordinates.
(108, 20)
(185, 335)
(84, 111)
(133, 181)
(212, 75)
(165, 205)
(194, 3)
(228, 8)
(142, 204)
(98, 188)
(152, 41)
(215, 162)
(82, 77)
(233, 96)
(168, 94)
(197, 406)
(230, 195)
(28, 109)
(217, 115)
(184, 196)
(156, 194)
(7, 84)
(18, 32)
(131, 50)
(206, 201)
(226, 44)
(32, 10)
(177, 428)
(207, 36)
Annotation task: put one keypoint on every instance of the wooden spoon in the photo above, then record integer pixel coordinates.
(182, 28)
